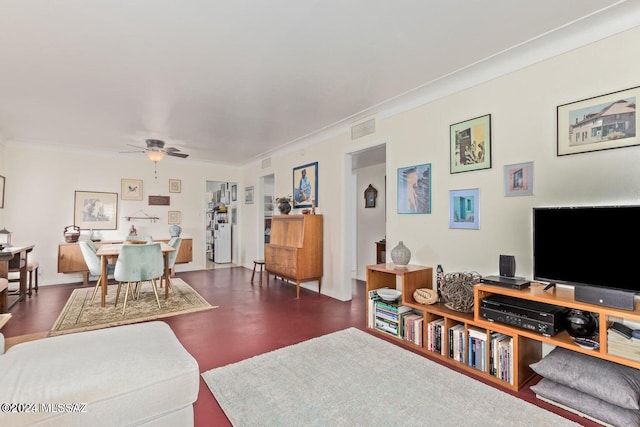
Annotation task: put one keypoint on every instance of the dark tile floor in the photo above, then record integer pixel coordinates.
(250, 320)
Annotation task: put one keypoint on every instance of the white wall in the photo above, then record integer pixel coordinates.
(41, 183)
(370, 221)
(522, 105)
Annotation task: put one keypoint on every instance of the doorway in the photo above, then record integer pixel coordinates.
(221, 224)
(265, 211)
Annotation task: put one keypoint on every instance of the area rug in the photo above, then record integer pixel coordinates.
(350, 378)
(80, 314)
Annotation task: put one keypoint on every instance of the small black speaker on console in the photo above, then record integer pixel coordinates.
(603, 296)
(507, 265)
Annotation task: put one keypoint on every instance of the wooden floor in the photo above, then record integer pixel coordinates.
(250, 320)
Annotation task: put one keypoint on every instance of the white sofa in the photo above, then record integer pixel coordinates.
(128, 375)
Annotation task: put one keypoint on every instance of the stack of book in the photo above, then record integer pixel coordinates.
(618, 345)
(457, 342)
(434, 336)
(387, 316)
(477, 346)
(501, 358)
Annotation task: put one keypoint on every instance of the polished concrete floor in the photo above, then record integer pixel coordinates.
(250, 320)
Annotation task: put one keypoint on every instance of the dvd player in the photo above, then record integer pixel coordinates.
(506, 282)
(546, 319)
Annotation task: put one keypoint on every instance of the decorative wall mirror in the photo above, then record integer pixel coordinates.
(370, 195)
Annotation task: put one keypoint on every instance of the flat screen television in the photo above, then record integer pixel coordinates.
(592, 248)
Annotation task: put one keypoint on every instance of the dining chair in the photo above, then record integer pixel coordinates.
(92, 260)
(174, 243)
(137, 264)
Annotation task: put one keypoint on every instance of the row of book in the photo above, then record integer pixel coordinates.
(470, 347)
(395, 319)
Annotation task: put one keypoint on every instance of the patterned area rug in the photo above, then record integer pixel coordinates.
(80, 314)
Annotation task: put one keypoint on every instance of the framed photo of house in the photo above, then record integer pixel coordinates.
(414, 189)
(599, 123)
(95, 210)
(470, 144)
(518, 179)
(175, 186)
(464, 209)
(248, 195)
(131, 189)
(305, 186)
(173, 217)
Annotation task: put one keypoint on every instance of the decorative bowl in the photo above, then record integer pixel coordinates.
(389, 294)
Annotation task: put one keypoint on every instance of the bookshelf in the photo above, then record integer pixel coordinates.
(498, 354)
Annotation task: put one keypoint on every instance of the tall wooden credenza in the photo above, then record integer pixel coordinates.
(295, 249)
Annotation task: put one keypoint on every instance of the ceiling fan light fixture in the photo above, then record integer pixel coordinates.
(155, 156)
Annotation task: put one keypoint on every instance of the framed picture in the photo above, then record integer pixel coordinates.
(470, 144)
(173, 217)
(370, 195)
(305, 186)
(464, 209)
(414, 189)
(95, 210)
(175, 186)
(234, 192)
(2, 182)
(598, 123)
(248, 195)
(131, 189)
(518, 179)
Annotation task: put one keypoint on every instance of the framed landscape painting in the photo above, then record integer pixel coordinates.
(598, 123)
(414, 189)
(470, 144)
(96, 210)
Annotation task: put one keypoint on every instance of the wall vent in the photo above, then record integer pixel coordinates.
(266, 163)
(363, 129)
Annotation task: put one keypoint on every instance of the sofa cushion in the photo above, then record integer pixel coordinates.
(125, 375)
(608, 381)
(583, 403)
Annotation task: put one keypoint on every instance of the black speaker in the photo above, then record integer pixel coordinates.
(507, 265)
(603, 296)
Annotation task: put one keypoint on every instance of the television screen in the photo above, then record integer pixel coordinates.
(594, 246)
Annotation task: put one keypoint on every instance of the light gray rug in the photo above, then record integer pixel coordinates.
(350, 378)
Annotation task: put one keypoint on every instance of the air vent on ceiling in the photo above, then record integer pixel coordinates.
(266, 163)
(363, 129)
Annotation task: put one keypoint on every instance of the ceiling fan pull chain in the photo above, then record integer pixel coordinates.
(155, 169)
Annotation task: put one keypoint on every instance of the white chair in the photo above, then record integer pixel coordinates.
(174, 243)
(92, 260)
(137, 264)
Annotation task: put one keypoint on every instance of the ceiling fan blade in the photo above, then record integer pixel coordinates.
(175, 154)
(137, 146)
(171, 149)
(137, 151)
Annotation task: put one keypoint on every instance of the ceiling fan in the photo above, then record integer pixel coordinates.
(156, 150)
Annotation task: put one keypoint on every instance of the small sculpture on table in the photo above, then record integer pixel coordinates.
(133, 231)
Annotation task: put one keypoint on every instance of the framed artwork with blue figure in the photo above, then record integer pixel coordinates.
(305, 186)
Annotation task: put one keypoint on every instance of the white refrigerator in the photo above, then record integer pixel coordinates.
(222, 243)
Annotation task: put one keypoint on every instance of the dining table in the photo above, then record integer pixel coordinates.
(13, 257)
(111, 251)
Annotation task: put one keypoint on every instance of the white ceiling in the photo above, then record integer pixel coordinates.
(231, 81)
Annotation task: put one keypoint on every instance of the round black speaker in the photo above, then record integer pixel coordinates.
(580, 323)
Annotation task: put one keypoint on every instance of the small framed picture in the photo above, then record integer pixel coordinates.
(131, 189)
(470, 144)
(175, 186)
(598, 123)
(464, 209)
(518, 179)
(248, 195)
(234, 192)
(173, 217)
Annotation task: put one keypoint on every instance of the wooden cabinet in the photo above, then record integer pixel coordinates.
(70, 259)
(524, 350)
(295, 249)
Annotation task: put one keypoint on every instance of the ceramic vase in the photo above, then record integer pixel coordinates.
(400, 255)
